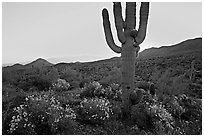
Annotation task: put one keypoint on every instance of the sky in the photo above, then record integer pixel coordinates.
(75, 31)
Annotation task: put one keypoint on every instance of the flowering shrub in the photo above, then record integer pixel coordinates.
(99, 112)
(191, 117)
(95, 110)
(113, 92)
(89, 89)
(70, 75)
(151, 116)
(41, 114)
(21, 121)
(115, 87)
(95, 89)
(61, 85)
(97, 85)
(164, 122)
(173, 106)
(176, 115)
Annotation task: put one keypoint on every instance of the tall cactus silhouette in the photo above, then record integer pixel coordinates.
(130, 39)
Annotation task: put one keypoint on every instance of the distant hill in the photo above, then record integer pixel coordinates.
(17, 66)
(73, 59)
(39, 63)
(188, 46)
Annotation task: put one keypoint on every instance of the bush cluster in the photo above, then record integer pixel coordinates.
(95, 89)
(95, 110)
(151, 116)
(41, 113)
(60, 85)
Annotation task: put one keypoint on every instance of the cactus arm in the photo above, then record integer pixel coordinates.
(130, 15)
(144, 12)
(108, 33)
(117, 10)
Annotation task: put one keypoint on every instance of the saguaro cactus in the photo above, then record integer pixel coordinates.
(130, 39)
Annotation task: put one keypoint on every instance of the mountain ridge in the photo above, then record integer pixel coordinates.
(187, 46)
(38, 63)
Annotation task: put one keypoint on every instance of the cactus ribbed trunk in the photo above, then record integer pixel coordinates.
(128, 73)
(130, 39)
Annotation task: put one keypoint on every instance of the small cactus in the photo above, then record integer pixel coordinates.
(152, 89)
(147, 86)
(136, 96)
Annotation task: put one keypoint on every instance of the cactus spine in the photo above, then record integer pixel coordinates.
(130, 39)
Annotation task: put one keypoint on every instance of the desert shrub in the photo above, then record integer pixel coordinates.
(116, 110)
(5, 76)
(11, 98)
(41, 79)
(25, 83)
(139, 115)
(113, 92)
(195, 90)
(9, 92)
(114, 76)
(71, 76)
(50, 73)
(60, 85)
(95, 110)
(42, 113)
(173, 106)
(164, 83)
(191, 117)
(180, 85)
(91, 89)
(168, 84)
(10, 76)
(41, 83)
(151, 116)
(115, 87)
(83, 82)
(45, 78)
(186, 112)
(7, 109)
(95, 89)
(116, 127)
(70, 97)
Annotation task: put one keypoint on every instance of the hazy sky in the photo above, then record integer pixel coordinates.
(47, 30)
